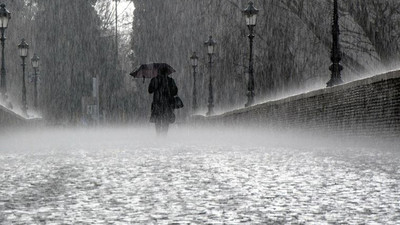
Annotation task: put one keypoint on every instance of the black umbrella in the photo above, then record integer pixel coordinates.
(151, 70)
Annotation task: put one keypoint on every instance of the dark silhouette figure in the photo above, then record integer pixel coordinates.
(163, 89)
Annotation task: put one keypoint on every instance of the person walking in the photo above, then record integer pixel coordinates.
(164, 90)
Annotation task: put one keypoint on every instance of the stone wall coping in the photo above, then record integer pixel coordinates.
(5, 109)
(370, 80)
(18, 116)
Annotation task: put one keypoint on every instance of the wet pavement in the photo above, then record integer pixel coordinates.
(126, 178)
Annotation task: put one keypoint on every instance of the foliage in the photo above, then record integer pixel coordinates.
(73, 47)
(75, 40)
(292, 44)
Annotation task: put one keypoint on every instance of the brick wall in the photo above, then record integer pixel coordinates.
(369, 107)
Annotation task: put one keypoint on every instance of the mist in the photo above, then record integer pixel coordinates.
(31, 140)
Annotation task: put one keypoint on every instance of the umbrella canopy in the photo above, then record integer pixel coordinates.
(151, 70)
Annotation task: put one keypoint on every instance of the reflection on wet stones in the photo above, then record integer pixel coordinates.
(193, 185)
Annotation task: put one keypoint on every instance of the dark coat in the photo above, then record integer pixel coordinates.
(163, 89)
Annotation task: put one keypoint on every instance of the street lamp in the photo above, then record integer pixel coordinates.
(336, 55)
(35, 64)
(5, 16)
(23, 52)
(210, 44)
(194, 61)
(251, 19)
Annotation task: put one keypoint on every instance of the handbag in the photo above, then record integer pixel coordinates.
(177, 103)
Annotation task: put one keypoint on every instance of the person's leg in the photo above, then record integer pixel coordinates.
(165, 127)
(158, 127)
(162, 128)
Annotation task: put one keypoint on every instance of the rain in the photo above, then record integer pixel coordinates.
(82, 142)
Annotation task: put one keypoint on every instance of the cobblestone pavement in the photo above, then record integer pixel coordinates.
(126, 177)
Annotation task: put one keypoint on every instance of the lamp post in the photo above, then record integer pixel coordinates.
(23, 52)
(5, 16)
(336, 55)
(251, 18)
(210, 44)
(35, 64)
(194, 61)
